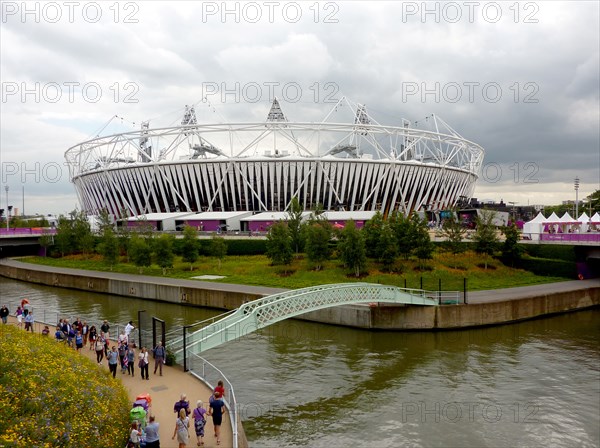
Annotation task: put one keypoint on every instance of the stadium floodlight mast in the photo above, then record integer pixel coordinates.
(576, 197)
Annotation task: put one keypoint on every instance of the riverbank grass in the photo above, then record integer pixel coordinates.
(450, 270)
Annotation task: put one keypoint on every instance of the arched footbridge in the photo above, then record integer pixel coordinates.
(263, 312)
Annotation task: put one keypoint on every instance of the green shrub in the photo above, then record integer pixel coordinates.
(170, 359)
(246, 247)
(550, 251)
(549, 268)
(52, 396)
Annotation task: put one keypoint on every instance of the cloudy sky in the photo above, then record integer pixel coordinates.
(520, 79)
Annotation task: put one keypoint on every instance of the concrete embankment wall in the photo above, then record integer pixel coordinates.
(450, 317)
(183, 295)
(383, 317)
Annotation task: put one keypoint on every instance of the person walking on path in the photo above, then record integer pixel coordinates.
(181, 429)
(99, 346)
(19, 315)
(29, 321)
(182, 404)
(128, 329)
(131, 360)
(199, 415)
(122, 338)
(152, 438)
(113, 360)
(220, 388)
(85, 329)
(78, 341)
(143, 363)
(105, 329)
(4, 314)
(135, 436)
(123, 360)
(217, 409)
(159, 357)
(93, 334)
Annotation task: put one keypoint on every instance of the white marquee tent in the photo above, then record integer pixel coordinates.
(533, 228)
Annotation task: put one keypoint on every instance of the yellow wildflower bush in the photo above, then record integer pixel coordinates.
(52, 397)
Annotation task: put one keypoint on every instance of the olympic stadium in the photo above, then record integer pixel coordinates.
(358, 165)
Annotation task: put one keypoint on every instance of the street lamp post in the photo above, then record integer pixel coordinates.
(7, 210)
(576, 197)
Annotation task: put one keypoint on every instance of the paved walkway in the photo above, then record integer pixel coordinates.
(165, 391)
(523, 292)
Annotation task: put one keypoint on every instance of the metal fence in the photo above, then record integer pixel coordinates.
(210, 375)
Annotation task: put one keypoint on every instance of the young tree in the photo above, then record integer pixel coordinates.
(87, 242)
(372, 232)
(405, 234)
(82, 232)
(163, 252)
(318, 236)
(46, 240)
(218, 248)
(294, 224)
(511, 251)
(109, 246)
(387, 246)
(423, 245)
(454, 233)
(189, 249)
(140, 252)
(279, 244)
(123, 234)
(593, 203)
(352, 248)
(105, 221)
(65, 236)
(486, 238)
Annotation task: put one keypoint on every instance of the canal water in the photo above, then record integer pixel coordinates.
(536, 383)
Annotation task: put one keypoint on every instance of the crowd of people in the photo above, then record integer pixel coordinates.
(216, 409)
(24, 314)
(147, 431)
(80, 335)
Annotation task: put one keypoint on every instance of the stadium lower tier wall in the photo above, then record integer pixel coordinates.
(382, 317)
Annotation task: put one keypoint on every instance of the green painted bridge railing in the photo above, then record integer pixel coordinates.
(263, 312)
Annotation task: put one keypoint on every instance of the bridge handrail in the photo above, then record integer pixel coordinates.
(243, 309)
(231, 403)
(246, 312)
(210, 320)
